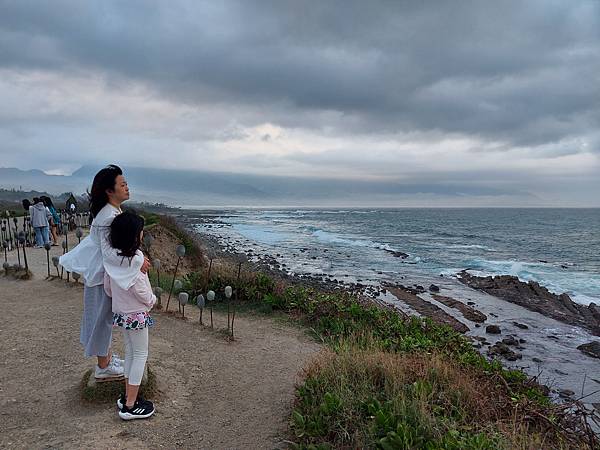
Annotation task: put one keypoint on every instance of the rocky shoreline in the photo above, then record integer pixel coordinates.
(533, 296)
(529, 295)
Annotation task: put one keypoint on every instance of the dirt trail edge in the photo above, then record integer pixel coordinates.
(214, 394)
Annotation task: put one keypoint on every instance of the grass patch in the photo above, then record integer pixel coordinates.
(363, 397)
(108, 391)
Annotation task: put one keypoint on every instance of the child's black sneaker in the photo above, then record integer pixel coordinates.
(121, 401)
(137, 411)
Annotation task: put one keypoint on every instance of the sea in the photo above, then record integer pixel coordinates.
(559, 248)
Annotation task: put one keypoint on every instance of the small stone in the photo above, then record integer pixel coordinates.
(591, 349)
(520, 325)
(512, 356)
(566, 393)
(493, 329)
(434, 288)
(510, 340)
(537, 360)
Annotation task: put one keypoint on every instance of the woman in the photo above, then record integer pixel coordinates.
(55, 219)
(91, 258)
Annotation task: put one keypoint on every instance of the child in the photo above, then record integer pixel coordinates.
(130, 312)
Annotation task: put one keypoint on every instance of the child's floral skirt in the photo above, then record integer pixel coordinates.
(133, 321)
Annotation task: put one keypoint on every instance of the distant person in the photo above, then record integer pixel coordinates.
(55, 219)
(130, 312)
(92, 258)
(26, 204)
(39, 222)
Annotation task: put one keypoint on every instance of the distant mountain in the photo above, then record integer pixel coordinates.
(11, 178)
(203, 188)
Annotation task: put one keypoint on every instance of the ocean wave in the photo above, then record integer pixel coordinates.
(332, 238)
(474, 246)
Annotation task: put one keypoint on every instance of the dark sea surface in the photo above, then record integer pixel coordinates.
(559, 248)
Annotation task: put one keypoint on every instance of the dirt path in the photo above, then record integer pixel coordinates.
(214, 394)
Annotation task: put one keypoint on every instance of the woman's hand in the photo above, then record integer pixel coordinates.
(145, 265)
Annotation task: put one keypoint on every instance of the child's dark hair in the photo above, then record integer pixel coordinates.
(125, 233)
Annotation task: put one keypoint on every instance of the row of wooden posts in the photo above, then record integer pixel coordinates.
(183, 297)
(176, 285)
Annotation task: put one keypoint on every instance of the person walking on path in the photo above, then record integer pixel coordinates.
(130, 312)
(39, 222)
(94, 256)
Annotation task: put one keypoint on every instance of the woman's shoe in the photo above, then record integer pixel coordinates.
(137, 411)
(109, 373)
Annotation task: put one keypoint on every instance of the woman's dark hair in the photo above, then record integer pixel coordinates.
(47, 201)
(103, 181)
(26, 204)
(125, 233)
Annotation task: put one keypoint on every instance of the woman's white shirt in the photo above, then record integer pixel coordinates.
(94, 255)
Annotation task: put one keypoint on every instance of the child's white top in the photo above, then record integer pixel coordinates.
(138, 298)
(94, 255)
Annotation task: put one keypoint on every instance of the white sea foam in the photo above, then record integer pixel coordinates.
(470, 246)
(333, 238)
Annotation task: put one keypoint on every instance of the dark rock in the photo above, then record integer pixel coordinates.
(537, 360)
(470, 303)
(426, 308)
(510, 340)
(522, 341)
(566, 393)
(500, 348)
(434, 288)
(396, 254)
(560, 372)
(493, 329)
(512, 356)
(468, 312)
(520, 325)
(591, 349)
(536, 298)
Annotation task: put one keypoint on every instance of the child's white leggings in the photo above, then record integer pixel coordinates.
(136, 354)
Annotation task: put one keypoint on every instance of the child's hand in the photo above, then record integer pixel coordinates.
(145, 265)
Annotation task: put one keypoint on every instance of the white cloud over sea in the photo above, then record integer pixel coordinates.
(502, 95)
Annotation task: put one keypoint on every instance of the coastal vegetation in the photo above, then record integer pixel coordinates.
(387, 380)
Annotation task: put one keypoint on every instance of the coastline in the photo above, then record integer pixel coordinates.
(537, 343)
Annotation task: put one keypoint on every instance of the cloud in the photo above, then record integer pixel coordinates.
(395, 90)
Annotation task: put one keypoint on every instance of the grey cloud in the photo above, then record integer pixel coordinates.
(524, 73)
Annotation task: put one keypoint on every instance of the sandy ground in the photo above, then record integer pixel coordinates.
(214, 394)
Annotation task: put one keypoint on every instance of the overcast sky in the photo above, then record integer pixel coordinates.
(490, 93)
